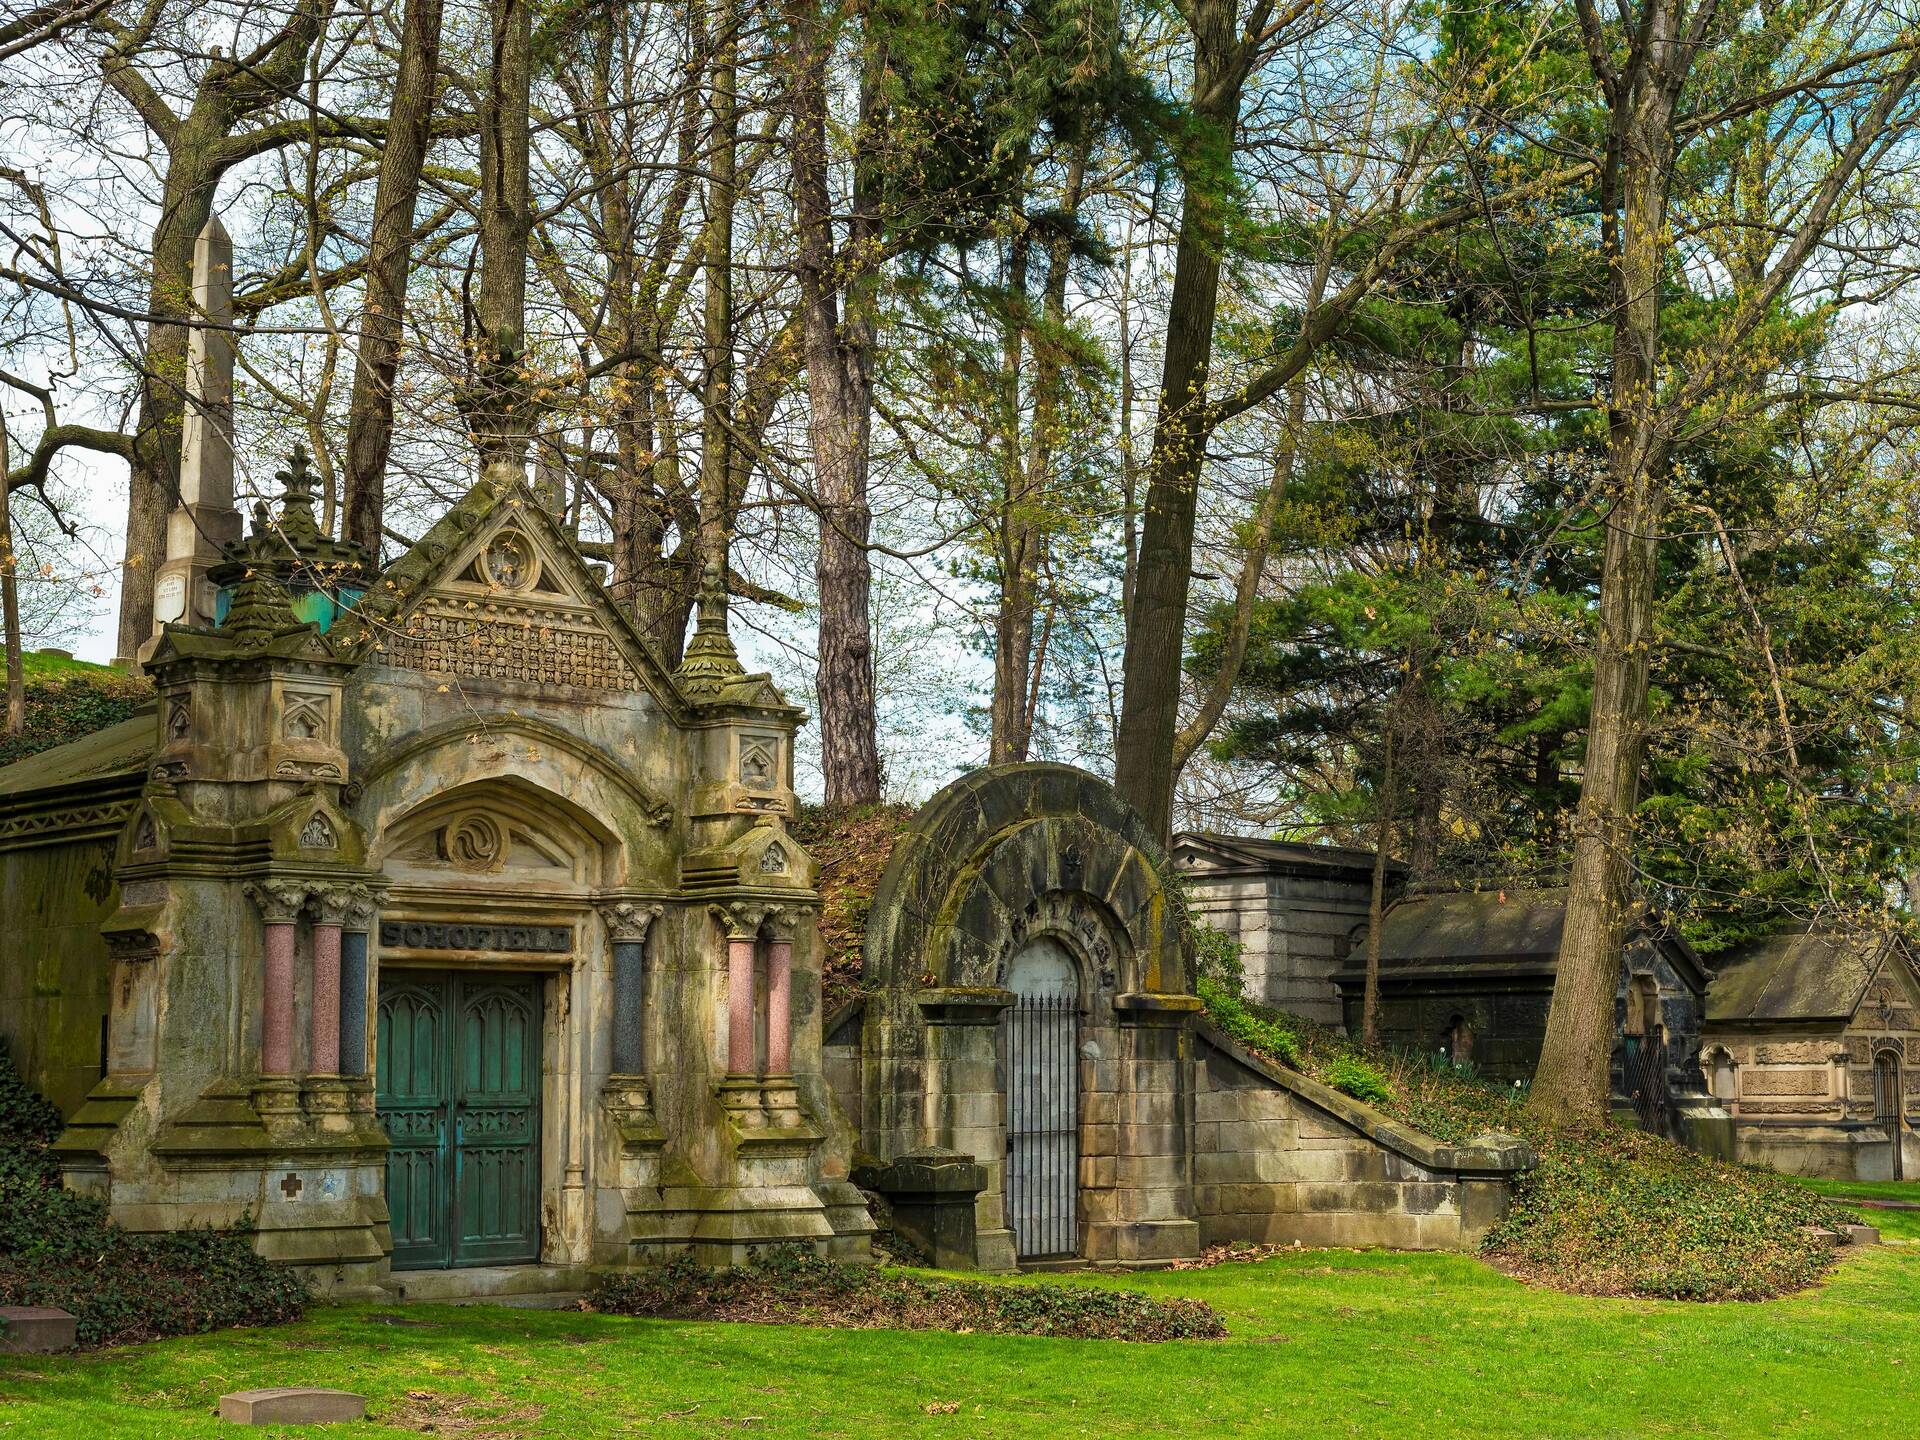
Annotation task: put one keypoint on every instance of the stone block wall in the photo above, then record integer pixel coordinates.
(1279, 1158)
(1294, 932)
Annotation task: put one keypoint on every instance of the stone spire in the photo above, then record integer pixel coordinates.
(204, 521)
(711, 664)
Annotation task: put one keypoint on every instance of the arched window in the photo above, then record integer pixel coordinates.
(1720, 1073)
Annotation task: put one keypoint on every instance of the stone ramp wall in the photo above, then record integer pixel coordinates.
(1279, 1158)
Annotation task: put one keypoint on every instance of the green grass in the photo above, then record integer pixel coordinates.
(1897, 1225)
(1323, 1344)
(40, 668)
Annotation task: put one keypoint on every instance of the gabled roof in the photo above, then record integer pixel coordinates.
(116, 752)
(1209, 852)
(1804, 977)
(1495, 932)
(451, 545)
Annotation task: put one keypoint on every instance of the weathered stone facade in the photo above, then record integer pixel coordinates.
(1291, 908)
(1811, 1048)
(467, 778)
(1177, 1138)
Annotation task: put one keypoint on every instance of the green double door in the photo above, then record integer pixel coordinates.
(458, 1092)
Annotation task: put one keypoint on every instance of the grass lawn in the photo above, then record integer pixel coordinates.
(1324, 1343)
(1896, 1225)
(41, 668)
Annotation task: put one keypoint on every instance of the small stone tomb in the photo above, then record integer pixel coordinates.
(36, 1330)
(292, 1405)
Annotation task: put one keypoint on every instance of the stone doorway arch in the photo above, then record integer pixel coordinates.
(1003, 866)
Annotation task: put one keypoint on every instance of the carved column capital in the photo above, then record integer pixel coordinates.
(785, 920)
(364, 907)
(628, 920)
(741, 920)
(280, 901)
(335, 904)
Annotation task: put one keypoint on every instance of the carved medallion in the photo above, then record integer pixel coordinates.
(474, 842)
(317, 834)
(508, 561)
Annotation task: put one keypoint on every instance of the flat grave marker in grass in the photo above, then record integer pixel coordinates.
(292, 1405)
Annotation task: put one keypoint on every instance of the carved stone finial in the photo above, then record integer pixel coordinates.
(628, 920)
(711, 663)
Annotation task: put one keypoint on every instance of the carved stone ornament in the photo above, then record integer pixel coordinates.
(783, 921)
(317, 834)
(365, 907)
(133, 946)
(179, 717)
(146, 835)
(628, 920)
(773, 860)
(741, 920)
(336, 905)
(756, 767)
(475, 842)
(508, 561)
(305, 717)
(279, 901)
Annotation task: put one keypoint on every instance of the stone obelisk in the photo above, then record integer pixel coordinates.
(204, 519)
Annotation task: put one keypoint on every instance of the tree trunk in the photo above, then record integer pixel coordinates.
(1157, 614)
(840, 398)
(153, 483)
(389, 256)
(1571, 1083)
(10, 596)
(716, 443)
(1023, 531)
(502, 409)
(1376, 903)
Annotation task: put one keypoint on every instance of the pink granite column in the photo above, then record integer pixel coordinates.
(740, 950)
(779, 1007)
(279, 909)
(276, 1032)
(325, 1056)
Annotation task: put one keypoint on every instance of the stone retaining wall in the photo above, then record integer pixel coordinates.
(1279, 1158)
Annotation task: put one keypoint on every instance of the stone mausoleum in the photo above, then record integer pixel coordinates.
(1811, 1047)
(429, 924)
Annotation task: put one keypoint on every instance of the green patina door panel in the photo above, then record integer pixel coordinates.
(496, 1121)
(411, 1096)
(458, 1072)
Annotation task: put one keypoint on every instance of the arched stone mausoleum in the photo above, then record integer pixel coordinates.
(1028, 1007)
(447, 936)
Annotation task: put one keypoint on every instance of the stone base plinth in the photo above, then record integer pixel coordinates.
(36, 1330)
(292, 1405)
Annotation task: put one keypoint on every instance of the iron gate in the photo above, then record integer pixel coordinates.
(1886, 1104)
(1042, 1053)
(1646, 1078)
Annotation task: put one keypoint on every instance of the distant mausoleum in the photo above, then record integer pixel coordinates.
(1469, 974)
(1812, 1046)
(1290, 907)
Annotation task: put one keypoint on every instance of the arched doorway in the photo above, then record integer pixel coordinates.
(1040, 1055)
(1886, 1104)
